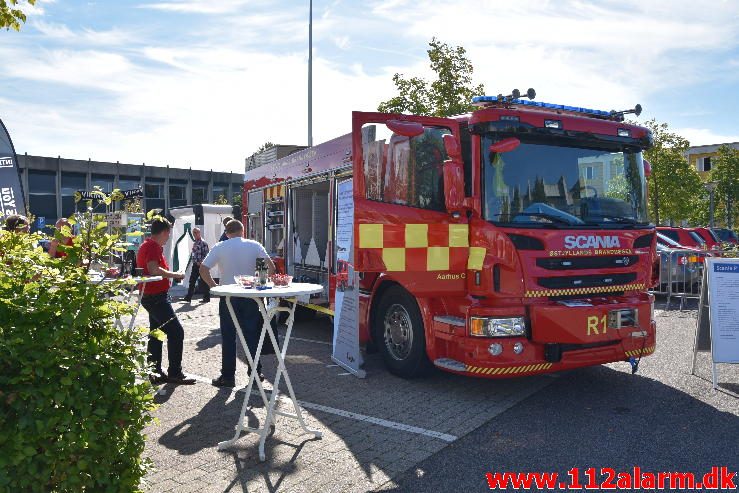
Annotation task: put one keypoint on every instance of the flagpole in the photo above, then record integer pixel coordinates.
(310, 74)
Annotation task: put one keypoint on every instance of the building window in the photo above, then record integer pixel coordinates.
(105, 182)
(199, 192)
(42, 197)
(71, 183)
(154, 194)
(220, 192)
(128, 183)
(41, 182)
(589, 173)
(154, 190)
(177, 193)
(706, 163)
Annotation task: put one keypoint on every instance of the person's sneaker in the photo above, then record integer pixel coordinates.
(180, 379)
(205, 300)
(223, 382)
(187, 299)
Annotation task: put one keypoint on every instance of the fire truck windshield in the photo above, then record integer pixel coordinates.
(544, 185)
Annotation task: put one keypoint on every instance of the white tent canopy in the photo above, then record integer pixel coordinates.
(211, 229)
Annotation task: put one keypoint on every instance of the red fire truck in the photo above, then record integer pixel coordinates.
(510, 241)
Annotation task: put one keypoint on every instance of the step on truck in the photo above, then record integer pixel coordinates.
(510, 241)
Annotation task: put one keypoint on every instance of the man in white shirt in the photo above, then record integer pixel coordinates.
(236, 256)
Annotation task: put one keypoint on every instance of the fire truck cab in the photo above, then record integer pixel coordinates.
(510, 241)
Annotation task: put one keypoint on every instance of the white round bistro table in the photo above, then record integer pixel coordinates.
(134, 281)
(288, 294)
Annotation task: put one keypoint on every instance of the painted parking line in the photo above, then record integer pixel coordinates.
(314, 341)
(352, 415)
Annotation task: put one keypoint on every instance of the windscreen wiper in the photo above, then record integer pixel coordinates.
(554, 219)
(630, 221)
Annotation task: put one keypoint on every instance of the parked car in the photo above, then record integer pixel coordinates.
(665, 240)
(712, 241)
(683, 236)
(726, 235)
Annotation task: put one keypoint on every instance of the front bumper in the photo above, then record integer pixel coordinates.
(558, 340)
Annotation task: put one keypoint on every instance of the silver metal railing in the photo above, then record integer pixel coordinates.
(681, 272)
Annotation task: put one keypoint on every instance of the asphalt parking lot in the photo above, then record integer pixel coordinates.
(444, 432)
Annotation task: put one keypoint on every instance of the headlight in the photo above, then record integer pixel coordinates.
(497, 327)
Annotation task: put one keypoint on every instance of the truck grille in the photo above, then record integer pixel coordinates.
(570, 263)
(598, 280)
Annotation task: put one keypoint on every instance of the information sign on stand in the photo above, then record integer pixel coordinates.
(717, 329)
(346, 352)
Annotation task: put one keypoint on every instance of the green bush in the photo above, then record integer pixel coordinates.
(74, 399)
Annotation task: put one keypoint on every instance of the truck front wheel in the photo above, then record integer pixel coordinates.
(399, 333)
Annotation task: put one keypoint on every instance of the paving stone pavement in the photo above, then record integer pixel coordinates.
(374, 429)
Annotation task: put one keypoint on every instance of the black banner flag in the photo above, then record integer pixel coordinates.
(11, 192)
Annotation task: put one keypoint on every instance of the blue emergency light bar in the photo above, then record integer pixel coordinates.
(481, 100)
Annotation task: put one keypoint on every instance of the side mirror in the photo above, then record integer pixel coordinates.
(452, 147)
(454, 186)
(647, 168)
(505, 145)
(406, 129)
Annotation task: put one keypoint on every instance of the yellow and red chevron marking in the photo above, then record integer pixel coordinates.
(421, 247)
(511, 370)
(646, 350)
(573, 291)
(274, 193)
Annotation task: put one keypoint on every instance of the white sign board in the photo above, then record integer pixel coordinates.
(346, 352)
(723, 296)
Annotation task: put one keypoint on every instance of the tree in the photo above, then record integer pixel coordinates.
(133, 205)
(450, 94)
(265, 146)
(540, 193)
(675, 188)
(726, 175)
(221, 200)
(618, 188)
(236, 199)
(10, 16)
(73, 387)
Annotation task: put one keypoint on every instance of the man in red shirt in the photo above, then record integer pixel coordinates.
(156, 301)
(67, 240)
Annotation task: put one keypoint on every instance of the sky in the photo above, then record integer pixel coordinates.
(202, 84)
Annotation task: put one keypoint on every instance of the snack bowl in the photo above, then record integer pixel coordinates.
(281, 280)
(244, 281)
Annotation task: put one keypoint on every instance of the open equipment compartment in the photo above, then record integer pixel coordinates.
(308, 257)
(255, 217)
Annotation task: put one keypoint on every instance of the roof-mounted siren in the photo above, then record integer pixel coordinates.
(516, 95)
(513, 97)
(619, 115)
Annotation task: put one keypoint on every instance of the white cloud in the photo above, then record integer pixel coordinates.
(704, 136)
(92, 69)
(212, 96)
(62, 33)
(610, 53)
(210, 111)
(200, 6)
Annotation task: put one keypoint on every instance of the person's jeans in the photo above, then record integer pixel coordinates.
(195, 278)
(250, 320)
(163, 317)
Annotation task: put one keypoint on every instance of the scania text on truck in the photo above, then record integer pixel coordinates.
(510, 241)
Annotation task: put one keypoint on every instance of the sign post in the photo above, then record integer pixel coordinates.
(346, 351)
(717, 329)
